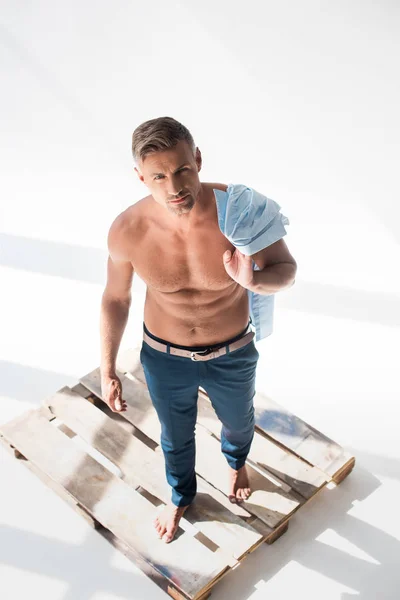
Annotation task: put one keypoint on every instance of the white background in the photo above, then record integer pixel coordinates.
(296, 99)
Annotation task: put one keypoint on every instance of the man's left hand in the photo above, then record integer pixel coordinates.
(239, 267)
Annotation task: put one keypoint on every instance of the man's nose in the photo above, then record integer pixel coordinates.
(175, 188)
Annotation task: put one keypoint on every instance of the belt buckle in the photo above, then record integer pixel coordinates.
(205, 352)
(201, 352)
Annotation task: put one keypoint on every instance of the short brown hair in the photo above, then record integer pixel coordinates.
(159, 134)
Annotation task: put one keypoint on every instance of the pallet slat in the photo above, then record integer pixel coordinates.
(307, 442)
(188, 564)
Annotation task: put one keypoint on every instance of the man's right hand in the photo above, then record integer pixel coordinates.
(111, 391)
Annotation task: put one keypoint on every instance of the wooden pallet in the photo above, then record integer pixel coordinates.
(288, 464)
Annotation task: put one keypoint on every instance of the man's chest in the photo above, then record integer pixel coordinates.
(170, 263)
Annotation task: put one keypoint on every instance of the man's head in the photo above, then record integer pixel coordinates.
(168, 162)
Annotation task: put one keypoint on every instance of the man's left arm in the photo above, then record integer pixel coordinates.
(277, 269)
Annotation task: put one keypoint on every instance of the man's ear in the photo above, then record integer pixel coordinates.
(199, 160)
(139, 175)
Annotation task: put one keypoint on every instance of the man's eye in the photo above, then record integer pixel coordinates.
(160, 176)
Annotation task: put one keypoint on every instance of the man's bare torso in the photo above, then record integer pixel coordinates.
(190, 299)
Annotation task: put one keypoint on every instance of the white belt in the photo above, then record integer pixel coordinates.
(200, 355)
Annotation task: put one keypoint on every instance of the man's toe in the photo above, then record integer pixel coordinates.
(168, 536)
(243, 494)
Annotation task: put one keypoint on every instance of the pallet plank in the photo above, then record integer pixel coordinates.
(57, 488)
(301, 438)
(188, 564)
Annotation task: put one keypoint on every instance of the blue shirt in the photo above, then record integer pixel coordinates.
(252, 222)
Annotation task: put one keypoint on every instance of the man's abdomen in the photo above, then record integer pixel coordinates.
(197, 318)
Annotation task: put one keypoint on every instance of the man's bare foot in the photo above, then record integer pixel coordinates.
(239, 487)
(166, 523)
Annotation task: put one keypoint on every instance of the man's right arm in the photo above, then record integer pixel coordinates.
(116, 301)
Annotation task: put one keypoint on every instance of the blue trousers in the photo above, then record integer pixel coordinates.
(173, 383)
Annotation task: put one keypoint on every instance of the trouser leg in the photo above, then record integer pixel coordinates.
(229, 381)
(173, 387)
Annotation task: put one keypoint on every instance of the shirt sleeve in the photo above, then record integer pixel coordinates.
(250, 220)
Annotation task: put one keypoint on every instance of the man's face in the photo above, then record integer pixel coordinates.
(171, 174)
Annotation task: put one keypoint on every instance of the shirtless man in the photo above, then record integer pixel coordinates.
(196, 300)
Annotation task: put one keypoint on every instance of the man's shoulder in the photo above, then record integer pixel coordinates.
(127, 226)
(131, 216)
